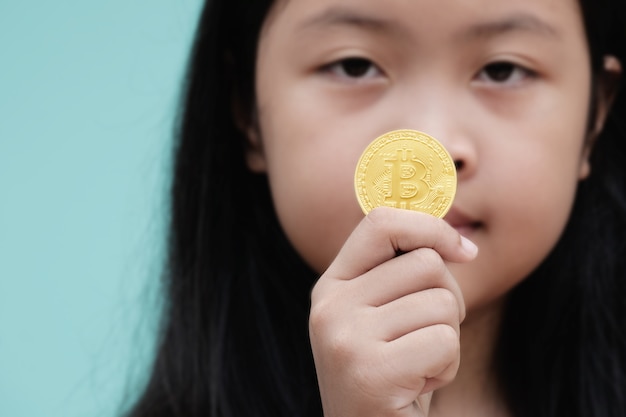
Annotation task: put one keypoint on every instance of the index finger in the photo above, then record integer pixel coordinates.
(386, 231)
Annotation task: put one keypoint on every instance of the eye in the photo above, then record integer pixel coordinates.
(504, 73)
(353, 68)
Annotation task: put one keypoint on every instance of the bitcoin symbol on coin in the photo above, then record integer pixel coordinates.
(406, 169)
(410, 185)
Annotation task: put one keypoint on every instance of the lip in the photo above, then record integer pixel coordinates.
(463, 223)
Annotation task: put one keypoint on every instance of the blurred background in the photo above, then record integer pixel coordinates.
(88, 92)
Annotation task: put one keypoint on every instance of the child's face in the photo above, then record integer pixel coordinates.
(503, 84)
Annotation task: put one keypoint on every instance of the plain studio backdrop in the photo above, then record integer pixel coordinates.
(88, 94)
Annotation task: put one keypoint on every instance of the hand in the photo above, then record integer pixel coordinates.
(385, 316)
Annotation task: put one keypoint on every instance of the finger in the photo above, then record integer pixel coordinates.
(388, 283)
(423, 360)
(408, 273)
(385, 232)
(416, 311)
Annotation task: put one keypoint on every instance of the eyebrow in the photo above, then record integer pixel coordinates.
(521, 22)
(516, 23)
(346, 17)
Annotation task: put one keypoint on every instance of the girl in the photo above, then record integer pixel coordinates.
(283, 299)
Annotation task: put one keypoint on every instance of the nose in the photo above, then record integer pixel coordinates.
(446, 120)
(463, 152)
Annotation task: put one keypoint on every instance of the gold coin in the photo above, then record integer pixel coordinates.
(406, 169)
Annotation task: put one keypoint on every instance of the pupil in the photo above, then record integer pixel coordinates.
(356, 67)
(499, 71)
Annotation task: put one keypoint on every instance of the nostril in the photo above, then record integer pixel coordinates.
(459, 165)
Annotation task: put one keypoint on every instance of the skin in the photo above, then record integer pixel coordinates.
(505, 87)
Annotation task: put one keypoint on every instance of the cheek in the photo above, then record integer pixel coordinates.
(528, 192)
(532, 216)
(311, 154)
(316, 207)
(311, 171)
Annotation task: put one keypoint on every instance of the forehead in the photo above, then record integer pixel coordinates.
(453, 17)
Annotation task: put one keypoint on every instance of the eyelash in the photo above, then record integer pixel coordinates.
(515, 74)
(353, 69)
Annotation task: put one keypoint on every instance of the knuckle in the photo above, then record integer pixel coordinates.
(378, 218)
(431, 260)
(449, 303)
(320, 315)
(447, 339)
(341, 346)
(444, 306)
(332, 331)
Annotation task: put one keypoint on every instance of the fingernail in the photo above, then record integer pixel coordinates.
(468, 246)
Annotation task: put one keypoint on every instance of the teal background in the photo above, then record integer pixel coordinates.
(88, 91)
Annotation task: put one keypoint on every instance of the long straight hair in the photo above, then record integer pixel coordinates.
(562, 348)
(233, 339)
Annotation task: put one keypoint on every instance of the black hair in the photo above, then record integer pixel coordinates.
(562, 348)
(234, 340)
